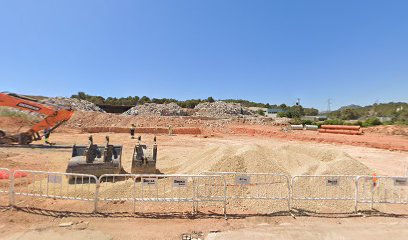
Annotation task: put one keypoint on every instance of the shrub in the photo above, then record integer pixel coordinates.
(372, 122)
(260, 112)
(307, 122)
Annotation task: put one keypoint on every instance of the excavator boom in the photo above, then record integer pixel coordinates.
(55, 116)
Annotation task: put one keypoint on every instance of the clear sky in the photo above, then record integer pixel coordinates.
(353, 51)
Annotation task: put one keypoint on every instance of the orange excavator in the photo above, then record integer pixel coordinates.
(55, 116)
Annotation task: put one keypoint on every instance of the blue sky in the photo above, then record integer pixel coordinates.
(355, 52)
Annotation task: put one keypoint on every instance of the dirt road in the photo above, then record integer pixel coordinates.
(26, 226)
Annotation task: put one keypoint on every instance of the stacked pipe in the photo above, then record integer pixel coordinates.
(296, 127)
(340, 129)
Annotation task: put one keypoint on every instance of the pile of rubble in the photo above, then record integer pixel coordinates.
(220, 109)
(74, 103)
(154, 109)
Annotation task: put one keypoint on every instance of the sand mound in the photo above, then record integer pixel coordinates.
(291, 159)
(287, 158)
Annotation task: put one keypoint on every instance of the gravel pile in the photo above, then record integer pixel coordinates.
(74, 103)
(220, 109)
(153, 109)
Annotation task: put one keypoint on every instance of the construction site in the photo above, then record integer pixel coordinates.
(219, 171)
(203, 120)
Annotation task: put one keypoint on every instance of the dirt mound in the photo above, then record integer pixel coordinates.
(74, 103)
(220, 109)
(94, 119)
(151, 130)
(153, 109)
(388, 130)
(15, 124)
(291, 159)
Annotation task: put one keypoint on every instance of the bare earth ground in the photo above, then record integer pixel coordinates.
(254, 149)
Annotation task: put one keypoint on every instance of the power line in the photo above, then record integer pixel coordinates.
(329, 103)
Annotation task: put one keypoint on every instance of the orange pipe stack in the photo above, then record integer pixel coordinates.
(340, 129)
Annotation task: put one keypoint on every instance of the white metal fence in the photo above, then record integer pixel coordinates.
(56, 185)
(117, 188)
(256, 186)
(204, 188)
(162, 188)
(323, 187)
(319, 189)
(382, 190)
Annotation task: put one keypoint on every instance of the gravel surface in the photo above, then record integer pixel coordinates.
(153, 109)
(74, 103)
(221, 109)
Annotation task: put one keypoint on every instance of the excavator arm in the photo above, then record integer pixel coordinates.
(55, 117)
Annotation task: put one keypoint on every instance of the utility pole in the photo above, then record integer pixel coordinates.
(329, 102)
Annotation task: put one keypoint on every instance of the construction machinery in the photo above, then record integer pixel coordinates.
(96, 160)
(144, 160)
(55, 116)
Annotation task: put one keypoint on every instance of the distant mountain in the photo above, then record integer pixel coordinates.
(352, 106)
(396, 110)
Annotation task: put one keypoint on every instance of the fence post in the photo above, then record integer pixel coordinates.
(194, 195)
(134, 194)
(96, 195)
(225, 197)
(356, 195)
(11, 189)
(289, 193)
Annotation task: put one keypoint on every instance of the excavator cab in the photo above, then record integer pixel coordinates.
(96, 160)
(144, 159)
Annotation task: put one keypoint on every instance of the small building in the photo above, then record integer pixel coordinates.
(384, 119)
(314, 118)
(273, 112)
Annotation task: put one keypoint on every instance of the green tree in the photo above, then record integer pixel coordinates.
(260, 112)
(349, 114)
(311, 112)
(144, 99)
(283, 106)
(210, 99)
(373, 121)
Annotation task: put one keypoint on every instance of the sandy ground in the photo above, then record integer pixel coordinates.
(193, 154)
(20, 225)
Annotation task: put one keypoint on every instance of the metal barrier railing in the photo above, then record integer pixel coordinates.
(181, 188)
(324, 188)
(57, 185)
(382, 190)
(161, 188)
(117, 187)
(256, 186)
(206, 187)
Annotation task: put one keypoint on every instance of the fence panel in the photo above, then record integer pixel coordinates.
(117, 188)
(207, 187)
(210, 189)
(260, 187)
(382, 190)
(180, 188)
(318, 189)
(56, 185)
